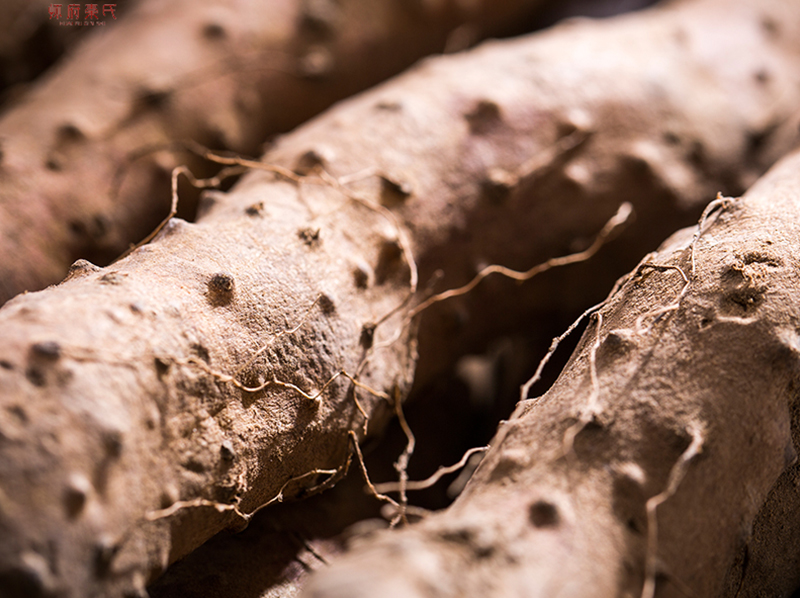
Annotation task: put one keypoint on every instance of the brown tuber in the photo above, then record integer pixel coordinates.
(224, 366)
(87, 151)
(663, 460)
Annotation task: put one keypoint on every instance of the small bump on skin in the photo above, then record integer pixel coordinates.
(221, 288)
(53, 164)
(213, 31)
(169, 496)
(112, 443)
(388, 260)
(483, 117)
(153, 99)
(112, 278)
(309, 162)
(394, 193)
(36, 377)
(105, 549)
(69, 133)
(633, 472)
(498, 185)
(309, 236)
(579, 174)
(575, 120)
(162, 366)
(389, 106)
(326, 304)
(257, 209)
(82, 267)
(49, 350)
(367, 335)
(543, 514)
(226, 452)
(361, 275)
(76, 494)
(320, 17)
(508, 462)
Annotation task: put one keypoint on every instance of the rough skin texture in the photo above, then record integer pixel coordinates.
(87, 152)
(540, 148)
(678, 407)
(124, 416)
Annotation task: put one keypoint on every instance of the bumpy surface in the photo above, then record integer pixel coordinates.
(129, 435)
(664, 459)
(88, 151)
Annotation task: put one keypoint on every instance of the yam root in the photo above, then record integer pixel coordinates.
(554, 150)
(663, 461)
(86, 155)
(230, 363)
(285, 543)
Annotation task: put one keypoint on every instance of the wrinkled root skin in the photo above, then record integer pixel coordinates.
(130, 411)
(516, 163)
(127, 435)
(679, 403)
(87, 153)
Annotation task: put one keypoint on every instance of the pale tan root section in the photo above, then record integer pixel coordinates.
(150, 404)
(660, 462)
(88, 150)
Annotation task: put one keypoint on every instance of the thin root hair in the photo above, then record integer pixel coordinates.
(437, 475)
(676, 475)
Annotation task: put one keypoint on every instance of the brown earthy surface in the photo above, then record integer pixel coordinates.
(87, 152)
(669, 434)
(234, 362)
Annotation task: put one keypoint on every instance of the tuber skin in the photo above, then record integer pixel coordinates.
(87, 153)
(663, 460)
(128, 434)
(562, 152)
